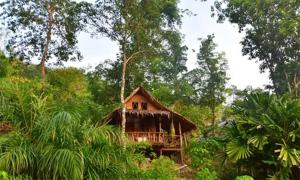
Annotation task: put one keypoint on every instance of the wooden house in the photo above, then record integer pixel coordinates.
(148, 120)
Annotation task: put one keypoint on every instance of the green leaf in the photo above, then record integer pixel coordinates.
(258, 141)
(237, 150)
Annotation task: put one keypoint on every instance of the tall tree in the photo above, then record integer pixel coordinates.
(137, 26)
(272, 33)
(209, 77)
(163, 70)
(42, 29)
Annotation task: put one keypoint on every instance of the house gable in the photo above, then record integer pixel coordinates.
(140, 100)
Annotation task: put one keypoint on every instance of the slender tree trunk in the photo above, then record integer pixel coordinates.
(213, 120)
(123, 90)
(48, 40)
(270, 66)
(296, 84)
(288, 82)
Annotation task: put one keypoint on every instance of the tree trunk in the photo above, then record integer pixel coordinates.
(122, 91)
(288, 82)
(48, 40)
(213, 120)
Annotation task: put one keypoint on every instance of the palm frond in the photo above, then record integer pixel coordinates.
(289, 156)
(17, 154)
(92, 134)
(61, 164)
(237, 150)
(258, 141)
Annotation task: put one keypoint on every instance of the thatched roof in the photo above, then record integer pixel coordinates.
(162, 111)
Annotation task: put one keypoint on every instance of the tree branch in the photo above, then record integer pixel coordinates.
(133, 55)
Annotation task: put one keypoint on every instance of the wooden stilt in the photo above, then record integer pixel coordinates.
(181, 157)
(159, 127)
(180, 140)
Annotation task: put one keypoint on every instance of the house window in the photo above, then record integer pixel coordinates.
(144, 106)
(135, 105)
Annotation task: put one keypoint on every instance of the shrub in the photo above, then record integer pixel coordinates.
(4, 175)
(206, 174)
(162, 169)
(246, 177)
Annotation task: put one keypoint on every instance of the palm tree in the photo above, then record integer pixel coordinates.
(46, 143)
(266, 131)
(62, 146)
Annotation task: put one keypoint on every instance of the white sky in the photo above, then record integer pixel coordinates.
(242, 72)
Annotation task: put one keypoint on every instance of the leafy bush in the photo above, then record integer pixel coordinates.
(246, 177)
(4, 65)
(162, 169)
(206, 174)
(265, 134)
(203, 152)
(4, 175)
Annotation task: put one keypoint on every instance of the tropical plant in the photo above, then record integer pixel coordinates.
(162, 169)
(245, 177)
(204, 151)
(45, 142)
(265, 132)
(63, 147)
(4, 175)
(206, 174)
(22, 101)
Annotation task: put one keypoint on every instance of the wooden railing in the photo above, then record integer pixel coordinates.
(151, 137)
(155, 138)
(172, 141)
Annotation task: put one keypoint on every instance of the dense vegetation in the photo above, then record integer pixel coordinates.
(50, 121)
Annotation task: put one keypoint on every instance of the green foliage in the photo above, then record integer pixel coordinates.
(142, 146)
(237, 151)
(22, 101)
(206, 174)
(55, 131)
(246, 177)
(209, 77)
(4, 65)
(162, 168)
(204, 151)
(17, 154)
(4, 175)
(13, 67)
(265, 132)
(63, 147)
(271, 37)
(47, 141)
(69, 88)
(71, 80)
(29, 29)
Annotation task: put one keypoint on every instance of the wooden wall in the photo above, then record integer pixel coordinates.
(139, 98)
(134, 124)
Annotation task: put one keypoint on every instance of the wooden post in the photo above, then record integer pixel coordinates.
(159, 130)
(179, 130)
(180, 141)
(159, 126)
